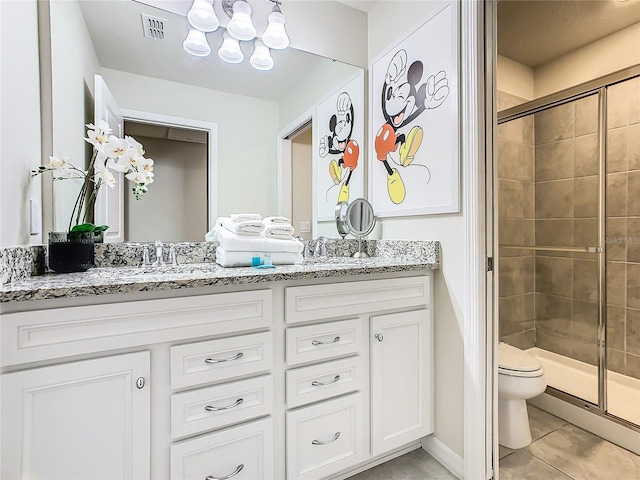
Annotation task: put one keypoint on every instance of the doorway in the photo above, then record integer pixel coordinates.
(175, 207)
(301, 181)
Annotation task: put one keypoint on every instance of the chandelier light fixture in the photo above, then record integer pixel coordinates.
(202, 19)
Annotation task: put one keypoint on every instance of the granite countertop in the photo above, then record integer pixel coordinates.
(126, 279)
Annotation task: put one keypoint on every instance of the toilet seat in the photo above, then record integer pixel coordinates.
(514, 362)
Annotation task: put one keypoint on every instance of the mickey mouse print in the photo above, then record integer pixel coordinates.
(413, 123)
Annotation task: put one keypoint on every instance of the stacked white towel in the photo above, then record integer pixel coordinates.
(281, 232)
(277, 220)
(237, 250)
(245, 217)
(242, 227)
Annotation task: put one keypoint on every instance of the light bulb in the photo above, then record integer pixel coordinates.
(275, 36)
(261, 58)
(230, 50)
(240, 26)
(202, 16)
(196, 43)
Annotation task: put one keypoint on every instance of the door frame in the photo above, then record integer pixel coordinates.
(283, 167)
(212, 149)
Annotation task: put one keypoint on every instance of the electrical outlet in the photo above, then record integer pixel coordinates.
(305, 227)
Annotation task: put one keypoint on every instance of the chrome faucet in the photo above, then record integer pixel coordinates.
(159, 255)
(320, 248)
(173, 256)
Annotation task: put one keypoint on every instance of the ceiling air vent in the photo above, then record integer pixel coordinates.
(153, 26)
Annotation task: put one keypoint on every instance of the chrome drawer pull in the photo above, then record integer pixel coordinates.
(211, 477)
(320, 442)
(315, 383)
(209, 408)
(213, 360)
(318, 342)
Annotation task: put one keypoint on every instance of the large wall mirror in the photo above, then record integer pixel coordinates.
(156, 79)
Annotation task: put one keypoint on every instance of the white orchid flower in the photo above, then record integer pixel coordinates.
(116, 147)
(117, 165)
(145, 164)
(55, 162)
(97, 138)
(136, 177)
(102, 126)
(106, 176)
(137, 146)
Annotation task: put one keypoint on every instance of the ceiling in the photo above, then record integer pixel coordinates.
(117, 34)
(362, 5)
(533, 32)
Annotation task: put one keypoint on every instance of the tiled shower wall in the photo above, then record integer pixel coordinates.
(516, 226)
(623, 228)
(549, 299)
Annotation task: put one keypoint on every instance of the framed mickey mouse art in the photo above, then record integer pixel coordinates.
(414, 121)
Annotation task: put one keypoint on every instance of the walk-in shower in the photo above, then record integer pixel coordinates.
(569, 235)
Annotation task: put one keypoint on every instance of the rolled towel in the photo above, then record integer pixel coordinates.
(277, 220)
(252, 244)
(280, 232)
(228, 258)
(245, 217)
(247, 227)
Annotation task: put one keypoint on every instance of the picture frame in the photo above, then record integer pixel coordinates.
(339, 147)
(414, 165)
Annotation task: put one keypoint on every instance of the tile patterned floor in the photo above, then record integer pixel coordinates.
(559, 451)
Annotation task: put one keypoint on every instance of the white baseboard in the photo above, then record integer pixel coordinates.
(444, 455)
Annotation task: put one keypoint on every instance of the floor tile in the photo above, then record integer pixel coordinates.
(416, 465)
(585, 456)
(504, 451)
(542, 422)
(521, 465)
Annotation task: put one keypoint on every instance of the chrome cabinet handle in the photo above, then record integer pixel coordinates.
(238, 469)
(327, 442)
(213, 360)
(379, 337)
(209, 408)
(318, 342)
(315, 383)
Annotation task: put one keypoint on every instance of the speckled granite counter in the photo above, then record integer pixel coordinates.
(390, 256)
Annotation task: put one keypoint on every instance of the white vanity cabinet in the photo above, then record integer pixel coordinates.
(360, 372)
(80, 420)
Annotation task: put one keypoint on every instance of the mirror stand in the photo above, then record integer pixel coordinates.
(360, 253)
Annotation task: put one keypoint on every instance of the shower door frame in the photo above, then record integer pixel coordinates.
(594, 87)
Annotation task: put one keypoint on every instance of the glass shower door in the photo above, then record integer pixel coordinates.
(623, 250)
(567, 192)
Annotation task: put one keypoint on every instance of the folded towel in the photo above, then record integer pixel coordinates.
(280, 232)
(252, 244)
(244, 217)
(246, 227)
(276, 220)
(228, 258)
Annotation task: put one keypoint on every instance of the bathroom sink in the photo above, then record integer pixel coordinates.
(336, 261)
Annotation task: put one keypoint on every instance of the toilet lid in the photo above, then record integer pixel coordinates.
(512, 358)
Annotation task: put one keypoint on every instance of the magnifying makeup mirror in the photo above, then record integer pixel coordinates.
(360, 220)
(341, 219)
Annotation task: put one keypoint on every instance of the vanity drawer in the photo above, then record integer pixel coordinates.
(63, 332)
(215, 360)
(325, 438)
(247, 448)
(332, 300)
(205, 409)
(318, 382)
(323, 341)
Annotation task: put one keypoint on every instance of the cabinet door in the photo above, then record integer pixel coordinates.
(401, 379)
(81, 420)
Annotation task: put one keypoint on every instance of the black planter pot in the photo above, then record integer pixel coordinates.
(70, 252)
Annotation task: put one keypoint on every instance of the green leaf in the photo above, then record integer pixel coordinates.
(84, 227)
(100, 228)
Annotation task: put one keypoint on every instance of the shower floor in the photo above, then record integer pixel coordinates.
(581, 380)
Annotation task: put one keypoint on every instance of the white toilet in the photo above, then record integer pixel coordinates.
(520, 377)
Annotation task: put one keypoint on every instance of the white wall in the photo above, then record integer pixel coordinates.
(19, 119)
(514, 78)
(388, 21)
(615, 52)
(73, 66)
(247, 133)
